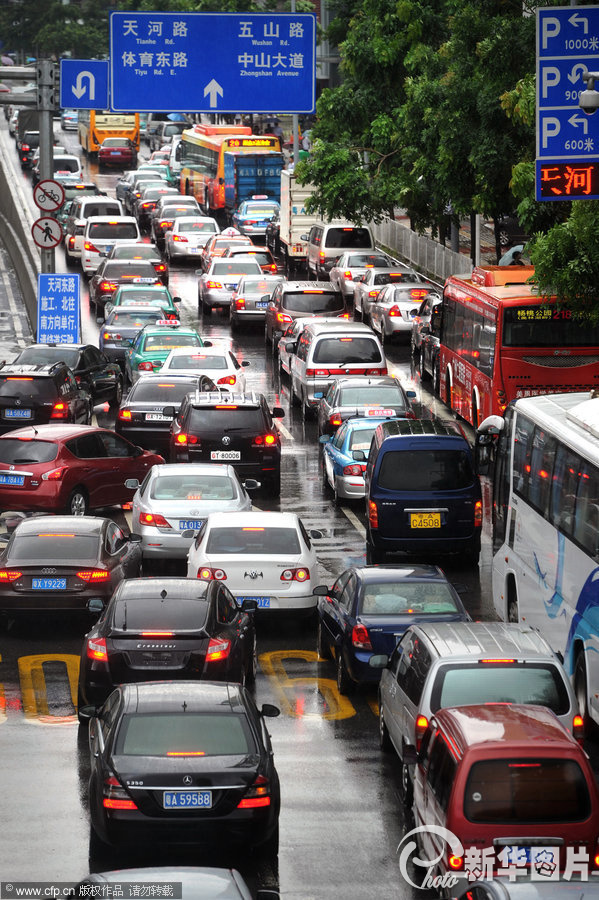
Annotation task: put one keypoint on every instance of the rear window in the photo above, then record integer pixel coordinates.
(101, 208)
(174, 613)
(66, 164)
(425, 470)
(188, 734)
(26, 388)
(313, 301)
(188, 226)
(350, 238)
(366, 260)
(469, 684)
(158, 298)
(55, 548)
(192, 487)
(517, 791)
(138, 251)
(46, 355)
(19, 452)
(121, 231)
(254, 286)
(168, 341)
(407, 598)
(391, 277)
(341, 350)
(161, 392)
(248, 419)
(262, 541)
(200, 361)
(361, 439)
(261, 211)
(132, 320)
(236, 267)
(125, 269)
(371, 396)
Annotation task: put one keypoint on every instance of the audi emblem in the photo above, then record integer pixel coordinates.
(49, 571)
(226, 440)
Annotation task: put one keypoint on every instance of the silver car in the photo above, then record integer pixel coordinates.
(216, 286)
(177, 498)
(392, 312)
(188, 236)
(368, 285)
(351, 265)
(250, 299)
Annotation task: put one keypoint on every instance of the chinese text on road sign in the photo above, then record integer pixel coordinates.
(58, 309)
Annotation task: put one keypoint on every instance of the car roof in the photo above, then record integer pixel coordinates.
(357, 423)
(52, 432)
(155, 288)
(222, 397)
(257, 518)
(93, 525)
(344, 327)
(528, 728)
(312, 286)
(167, 329)
(417, 572)
(484, 640)
(133, 310)
(140, 588)
(423, 428)
(168, 696)
(215, 350)
(366, 380)
(103, 220)
(219, 469)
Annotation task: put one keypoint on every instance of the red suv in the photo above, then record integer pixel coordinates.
(72, 468)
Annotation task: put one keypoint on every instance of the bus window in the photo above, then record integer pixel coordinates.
(522, 451)
(541, 474)
(565, 483)
(586, 527)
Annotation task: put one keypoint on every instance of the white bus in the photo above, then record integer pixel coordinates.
(546, 527)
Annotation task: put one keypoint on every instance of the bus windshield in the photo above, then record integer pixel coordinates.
(544, 326)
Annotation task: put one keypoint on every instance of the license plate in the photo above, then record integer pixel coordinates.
(48, 584)
(425, 520)
(379, 412)
(196, 524)
(225, 454)
(12, 479)
(157, 417)
(17, 413)
(115, 152)
(519, 855)
(187, 799)
(230, 287)
(261, 304)
(195, 250)
(263, 602)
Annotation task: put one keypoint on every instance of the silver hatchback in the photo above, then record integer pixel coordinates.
(216, 286)
(251, 297)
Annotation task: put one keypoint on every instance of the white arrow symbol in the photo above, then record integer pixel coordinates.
(576, 120)
(577, 20)
(577, 70)
(79, 91)
(213, 88)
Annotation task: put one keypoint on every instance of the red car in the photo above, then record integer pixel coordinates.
(117, 151)
(68, 468)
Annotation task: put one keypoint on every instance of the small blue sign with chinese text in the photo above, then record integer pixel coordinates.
(58, 309)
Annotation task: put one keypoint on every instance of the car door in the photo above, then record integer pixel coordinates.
(99, 375)
(333, 457)
(330, 610)
(124, 558)
(234, 625)
(124, 460)
(91, 469)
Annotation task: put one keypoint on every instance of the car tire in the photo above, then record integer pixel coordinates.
(252, 666)
(345, 685)
(117, 397)
(206, 308)
(324, 651)
(78, 502)
(272, 485)
(357, 313)
(373, 556)
(384, 739)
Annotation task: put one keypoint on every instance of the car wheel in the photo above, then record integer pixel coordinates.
(345, 685)
(373, 556)
(324, 651)
(384, 739)
(78, 503)
(272, 486)
(117, 397)
(252, 666)
(206, 308)
(580, 689)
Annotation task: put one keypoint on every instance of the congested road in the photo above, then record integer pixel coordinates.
(341, 812)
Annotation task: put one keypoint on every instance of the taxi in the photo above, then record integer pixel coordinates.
(151, 296)
(148, 351)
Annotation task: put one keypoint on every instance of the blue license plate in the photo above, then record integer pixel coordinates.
(263, 602)
(196, 524)
(48, 584)
(261, 304)
(17, 413)
(187, 799)
(12, 479)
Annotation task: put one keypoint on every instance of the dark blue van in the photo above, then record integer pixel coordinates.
(422, 493)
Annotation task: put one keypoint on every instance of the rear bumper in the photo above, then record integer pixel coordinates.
(468, 544)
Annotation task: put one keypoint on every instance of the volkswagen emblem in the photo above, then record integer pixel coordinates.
(226, 440)
(253, 574)
(187, 779)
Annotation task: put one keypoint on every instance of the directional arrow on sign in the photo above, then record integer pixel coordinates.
(577, 120)
(578, 69)
(79, 90)
(213, 89)
(577, 20)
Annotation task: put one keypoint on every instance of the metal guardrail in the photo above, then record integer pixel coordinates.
(420, 251)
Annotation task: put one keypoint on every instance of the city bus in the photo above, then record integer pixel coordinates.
(95, 125)
(546, 526)
(499, 340)
(201, 155)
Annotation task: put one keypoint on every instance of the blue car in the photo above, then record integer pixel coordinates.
(343, 471)
(368, 609)
(253, 216)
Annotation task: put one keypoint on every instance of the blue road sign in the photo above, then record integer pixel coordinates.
(567, 31)
(213, 62)
(58, 309)
(84, 84)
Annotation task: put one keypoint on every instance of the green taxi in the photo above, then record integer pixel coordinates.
(153, 344)
(139, 295)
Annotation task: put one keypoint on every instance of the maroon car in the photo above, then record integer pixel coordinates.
(69, 468)
(117, 151)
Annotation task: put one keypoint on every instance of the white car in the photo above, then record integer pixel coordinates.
(188, 236)
(101, 234)
(175, 500)
(218, 363)
(267, 556)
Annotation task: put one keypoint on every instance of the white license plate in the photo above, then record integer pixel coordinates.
(157, 417)
(263, 602)
(225, 454)
(187, 799)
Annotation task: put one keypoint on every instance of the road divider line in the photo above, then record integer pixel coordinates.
(284, 431)
(354, 520)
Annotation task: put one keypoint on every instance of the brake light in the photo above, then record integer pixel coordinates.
(596, 856)
(165, 224)
(373, 293)
(256, 795)
(207, 573)
(227, 379)
(111, 337)
(217, 650)
(335, 420)
(96, 649)
(283, 318)
(273, 268)
(239, 302)
(25, 147)
(494, 662)
(7, 576)
(145, 367)
(107, 286)
(54, 474)
(382, 371)
(317, 373)
(456, 862)
(115, 796)
(154, 519)
(578, 728)
(19, 378)
(373, 514)
(60, 410)
(160, 267)
(262, 440)
(213, 285)
(395, 312)
(421, 726)
(322, 256)
(91, 248)
(347, 274)
(184, 439)
(94, 576)
(478, 514)
(180, 239)
(295, 575)
(355, 469)
(360, 638)
(71, 241)
(125, 414)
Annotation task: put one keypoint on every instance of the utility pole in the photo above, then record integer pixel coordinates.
(47, 96)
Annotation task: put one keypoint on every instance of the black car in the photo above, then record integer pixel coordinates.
(273, 235)
(27, 148)
(369, 396)
(91, 368)
(430, 343)
(112, 273)
(182, 762)
(39, 394)
(510, 231)
(226, 427)
(141, 418)
(168, 627)
(149, 252)
(54, 563)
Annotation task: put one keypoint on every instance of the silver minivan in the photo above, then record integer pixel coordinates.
(328, 240)
(100, 236)
(81, 209)
(464, 663)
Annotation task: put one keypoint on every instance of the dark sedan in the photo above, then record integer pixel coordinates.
(121, 325)
(368, 609)
(91, 368)
(376, 397)
(54, 563)
(112, 273)
(149, 252)
(168, 628)
(182, 762)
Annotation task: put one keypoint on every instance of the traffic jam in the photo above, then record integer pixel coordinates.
(255, 634)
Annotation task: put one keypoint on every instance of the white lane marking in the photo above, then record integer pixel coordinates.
(128, 518)
(354, 520)
(12, 304)
(284, 431)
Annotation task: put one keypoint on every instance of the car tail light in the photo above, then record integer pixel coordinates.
(94, 576)
(395, 312)
(184, 439)
(180, 239)
(382, 371)
(273, 268)
(153, 519)
(96, 649)
(578, 728)
(421, 726)
(217, 650)
(335, 420)
(227, 379)
(111, 337)
(456, 862)
(373, 293)
(207, 573)
(160, 267)
(25, 148)
(71, 241)
(239, 302)
(295, 574)
(145, 367)
(91, 248)
(250, 221)
(7, 576)
(54, 474)
(373, 514)
(283, 318)
(322, 256)
(317, 373)
(347, 274)
(125, 414)
(355, 469)
(265, 440)
(360, 638)
(596, 854)
(214, 285)
(171, 317)
(478, 514)
(107, 286)
(256, 795)
(115, 796)
(60, 410)
(165, 224)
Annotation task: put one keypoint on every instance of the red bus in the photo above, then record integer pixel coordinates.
(500, 341)
(201, 154)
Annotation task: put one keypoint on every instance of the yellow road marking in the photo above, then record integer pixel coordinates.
(33, 685)
(306, 689)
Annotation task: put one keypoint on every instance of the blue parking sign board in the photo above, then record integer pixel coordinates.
(84, 84)
(58, 309)
(213, 62)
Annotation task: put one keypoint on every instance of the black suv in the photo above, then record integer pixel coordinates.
(92, 370)
(217, 426)
(41, 394)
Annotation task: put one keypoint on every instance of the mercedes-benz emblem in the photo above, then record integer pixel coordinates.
(17, 402)
(226, 440)
(187, 779)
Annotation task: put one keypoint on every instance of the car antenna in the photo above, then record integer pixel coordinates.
(184, 706)
(163, 594)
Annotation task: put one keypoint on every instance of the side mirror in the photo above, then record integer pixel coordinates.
(176, 299)
(88, 712)
(249, 605)
(410, 755)
(411, 395)
(169, 411)
(250, 484)
(95, 605)
(379, 661)
(318, 395)
(132, 484)
(321, 590)
(304, 237)
(290, 346)
(325, 438)
(245, 362)
(138, 451)
(207, 344)
(265, 298)
(358, 455)
(135, 538)
(278, 412)
(270, 711)
(315, 534)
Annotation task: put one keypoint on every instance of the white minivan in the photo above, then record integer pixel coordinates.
(100, 236)
(328, 240)
(80, 210)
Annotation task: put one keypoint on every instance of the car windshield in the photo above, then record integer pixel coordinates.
(44, 354)
(313, 301)
(120, 231)
(18, 451)
(27, 388)
(192, 487)
(375, 395)
(199, 361)
(348, 237)
(253, 541)
(131, 320)
(465, 684)
(166, 392)
(168, 341)
(407, 598)
(425, 470)
(184, 734)
(54, 547)
(339, 350)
